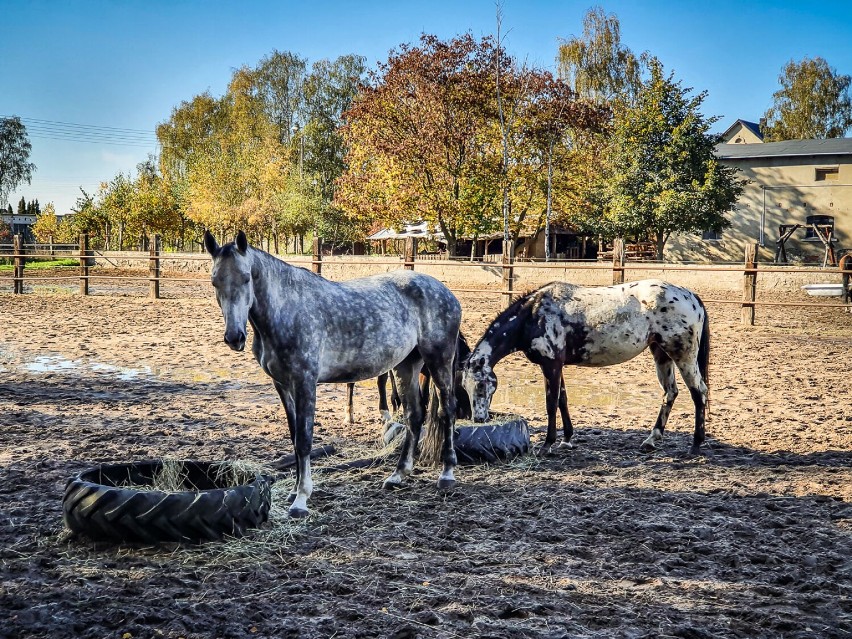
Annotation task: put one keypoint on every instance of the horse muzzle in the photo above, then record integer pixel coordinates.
(236, 340)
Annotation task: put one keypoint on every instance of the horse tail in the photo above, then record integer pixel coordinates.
(704, 354)
(433, 437)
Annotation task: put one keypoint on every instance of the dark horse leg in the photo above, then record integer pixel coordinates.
(666, 377)
(350, 403)
(381, 383)
(299, 399)
(407, 374)
(440, 365)
(555, 396)
(567, 426)
(698, 390)
(290, 410)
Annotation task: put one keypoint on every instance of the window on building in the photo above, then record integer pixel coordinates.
(711, 234)
(827, 174)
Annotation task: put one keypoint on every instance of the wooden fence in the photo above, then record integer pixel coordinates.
(509, 265)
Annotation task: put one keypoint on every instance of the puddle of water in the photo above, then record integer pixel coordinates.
(530, 394)
(42, 364)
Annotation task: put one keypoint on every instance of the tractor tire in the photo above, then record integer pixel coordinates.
(103, 503)
(491, 443)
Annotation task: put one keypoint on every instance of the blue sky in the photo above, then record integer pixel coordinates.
(125, 65)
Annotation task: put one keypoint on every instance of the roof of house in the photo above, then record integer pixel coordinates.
(787, 148)
(754, 127)
(420, 229)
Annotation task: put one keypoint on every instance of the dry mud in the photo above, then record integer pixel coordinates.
(751, 539)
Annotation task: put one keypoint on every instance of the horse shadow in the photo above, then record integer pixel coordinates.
(621, 448)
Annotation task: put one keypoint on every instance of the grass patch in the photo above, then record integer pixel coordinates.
(45, 264)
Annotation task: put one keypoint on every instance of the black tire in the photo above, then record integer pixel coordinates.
(102, 503)
(490, 443)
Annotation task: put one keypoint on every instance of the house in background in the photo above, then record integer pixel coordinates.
(19, 224)
(790, 182)
(743, 132)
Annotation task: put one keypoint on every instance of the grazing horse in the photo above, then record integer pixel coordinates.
(308, 330)
(561, 324)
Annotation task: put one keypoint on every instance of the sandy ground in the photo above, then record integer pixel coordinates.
(752, 539)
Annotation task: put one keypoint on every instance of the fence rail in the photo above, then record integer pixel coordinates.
(750, 270)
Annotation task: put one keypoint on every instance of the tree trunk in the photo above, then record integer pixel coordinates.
(661, 243)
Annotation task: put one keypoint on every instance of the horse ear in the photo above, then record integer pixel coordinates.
(210, 243)
(242, 242)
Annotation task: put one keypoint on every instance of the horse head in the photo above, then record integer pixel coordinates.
(232, 279)
(480, 382)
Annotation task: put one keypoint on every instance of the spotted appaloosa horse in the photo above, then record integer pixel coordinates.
(309, 330)
(561, 324)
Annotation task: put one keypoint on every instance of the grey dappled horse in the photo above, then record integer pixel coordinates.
(308, 330)
(561, 324)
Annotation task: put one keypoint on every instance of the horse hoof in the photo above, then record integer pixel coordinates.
(298, 513)
(566, 445)
(446, 484)
(543, 451)
(391, 484)
(695, 451)
(647, 448)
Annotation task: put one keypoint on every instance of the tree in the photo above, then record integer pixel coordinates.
(280, 78)
(15, 148)
(48, 227)
(662, 173)
(597, 66)
(813, 102)
(416, 135)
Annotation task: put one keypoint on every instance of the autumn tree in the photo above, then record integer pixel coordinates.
(412, 134)
(48, 227)
(662, 176)
(813, 102)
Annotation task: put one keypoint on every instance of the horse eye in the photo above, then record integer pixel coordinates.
(247, 279)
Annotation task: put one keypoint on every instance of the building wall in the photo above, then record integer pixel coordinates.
(781, 190)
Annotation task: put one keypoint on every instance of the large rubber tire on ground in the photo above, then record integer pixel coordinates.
(490, 443)
(102, 503)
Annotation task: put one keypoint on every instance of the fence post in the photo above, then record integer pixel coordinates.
(84, 263)
(154, 268)
(316, 261)
(18, 277)
(846, 267)
(508, 272)
(50, 239)
(410, 253)
(618, 259)
(749, 284)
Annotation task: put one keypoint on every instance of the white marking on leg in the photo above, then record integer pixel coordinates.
(304, 488)
(387, 418)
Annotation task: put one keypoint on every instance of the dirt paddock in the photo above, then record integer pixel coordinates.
(751, 539)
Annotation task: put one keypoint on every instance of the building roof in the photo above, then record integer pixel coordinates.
(420, 229)
(787, 148)
(754, 127)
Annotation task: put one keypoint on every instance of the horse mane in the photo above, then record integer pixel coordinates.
(519, 309)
